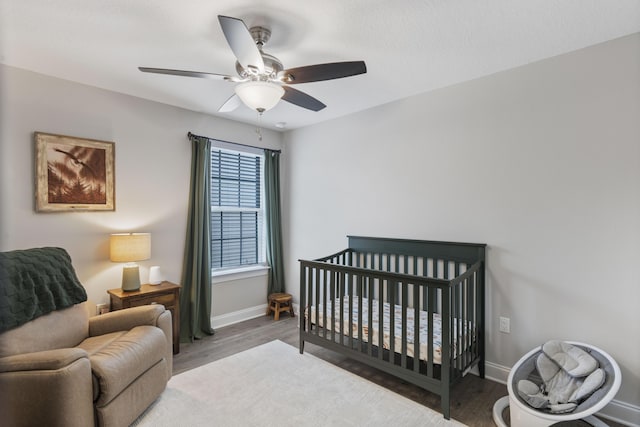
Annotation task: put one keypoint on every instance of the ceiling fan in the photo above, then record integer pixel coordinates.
(262, 79)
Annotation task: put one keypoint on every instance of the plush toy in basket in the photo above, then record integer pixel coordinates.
(569, 375)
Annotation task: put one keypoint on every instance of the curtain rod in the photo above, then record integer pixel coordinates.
(189, 134)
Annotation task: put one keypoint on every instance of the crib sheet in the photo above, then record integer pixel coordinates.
(424, 335)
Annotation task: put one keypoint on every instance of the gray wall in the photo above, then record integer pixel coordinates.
(153, 159)
(542, 163)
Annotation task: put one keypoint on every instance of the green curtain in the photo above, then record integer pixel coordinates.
(195, 296)
(273, 221)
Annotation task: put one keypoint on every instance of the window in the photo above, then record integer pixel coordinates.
(237, 209)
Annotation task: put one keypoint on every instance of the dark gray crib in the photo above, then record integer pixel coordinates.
(399, 279)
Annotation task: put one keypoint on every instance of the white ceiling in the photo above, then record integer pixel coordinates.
(409, 46)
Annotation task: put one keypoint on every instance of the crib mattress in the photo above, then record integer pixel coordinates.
(333, 322)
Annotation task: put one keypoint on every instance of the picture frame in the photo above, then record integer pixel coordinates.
(74, 174)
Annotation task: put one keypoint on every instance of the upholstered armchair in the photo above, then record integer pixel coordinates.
(58, 366)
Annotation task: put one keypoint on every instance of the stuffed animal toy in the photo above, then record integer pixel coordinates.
(569, 375)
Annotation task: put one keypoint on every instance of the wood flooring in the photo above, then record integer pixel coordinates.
(472, 398)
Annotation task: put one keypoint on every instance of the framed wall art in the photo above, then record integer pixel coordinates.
(74, 174)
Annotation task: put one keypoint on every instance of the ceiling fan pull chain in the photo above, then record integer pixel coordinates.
(259, 128)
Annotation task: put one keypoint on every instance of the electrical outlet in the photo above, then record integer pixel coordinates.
(102, 308)
(505, 325)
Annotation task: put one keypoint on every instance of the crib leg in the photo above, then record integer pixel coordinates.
(444, 403)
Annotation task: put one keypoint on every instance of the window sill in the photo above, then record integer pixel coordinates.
(239, 273)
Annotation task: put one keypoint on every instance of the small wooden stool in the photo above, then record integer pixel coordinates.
(278, 303)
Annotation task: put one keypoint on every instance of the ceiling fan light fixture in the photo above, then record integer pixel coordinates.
(262, 74)
(258, 95)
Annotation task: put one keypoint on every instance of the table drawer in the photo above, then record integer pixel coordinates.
(164, 299)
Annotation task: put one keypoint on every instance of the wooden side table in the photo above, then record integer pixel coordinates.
(166, 293)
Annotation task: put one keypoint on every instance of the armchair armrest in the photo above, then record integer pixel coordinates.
(51, 387)
(123, 320)
(41, 360)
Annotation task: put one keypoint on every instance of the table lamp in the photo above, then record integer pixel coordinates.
(129, 248)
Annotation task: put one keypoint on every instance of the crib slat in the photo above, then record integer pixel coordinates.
(445, 370)
(469, 322)
(476, 324)
(390, 267)
(325, 304)
(360, 292)
(392, 322)
(403, 357)
(432, 296)
(332, 298)
(321, 298)
(389, 289)
(313, 302)
(320, 274)
(455, 316)
(425, 273)
(416, 327)
(340, 291)
(461, 344)
(309, 302)
(350, 285)
(370, 328)
(458, 333)
(380, 322)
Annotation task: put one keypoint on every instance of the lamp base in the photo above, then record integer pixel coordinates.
(130, 278)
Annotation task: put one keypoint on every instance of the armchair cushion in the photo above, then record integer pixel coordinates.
(116, 365)
(45, 333)
(42, 360)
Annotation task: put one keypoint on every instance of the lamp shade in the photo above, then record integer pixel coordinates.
(129, 247)
(259, 96)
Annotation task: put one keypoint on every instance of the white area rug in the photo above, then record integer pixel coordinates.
(274, 385)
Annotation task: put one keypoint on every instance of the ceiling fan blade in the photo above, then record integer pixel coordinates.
(319, 72)
(241, 43)
(188, 73)
(301, 99)
(230, 104)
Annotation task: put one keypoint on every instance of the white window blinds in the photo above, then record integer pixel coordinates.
(236, 202)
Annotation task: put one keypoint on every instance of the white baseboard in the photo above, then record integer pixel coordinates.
(621, 412)
(495, 372)
(238, 316)
(616, 410)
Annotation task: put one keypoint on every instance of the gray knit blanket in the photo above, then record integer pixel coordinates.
(34, 282)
